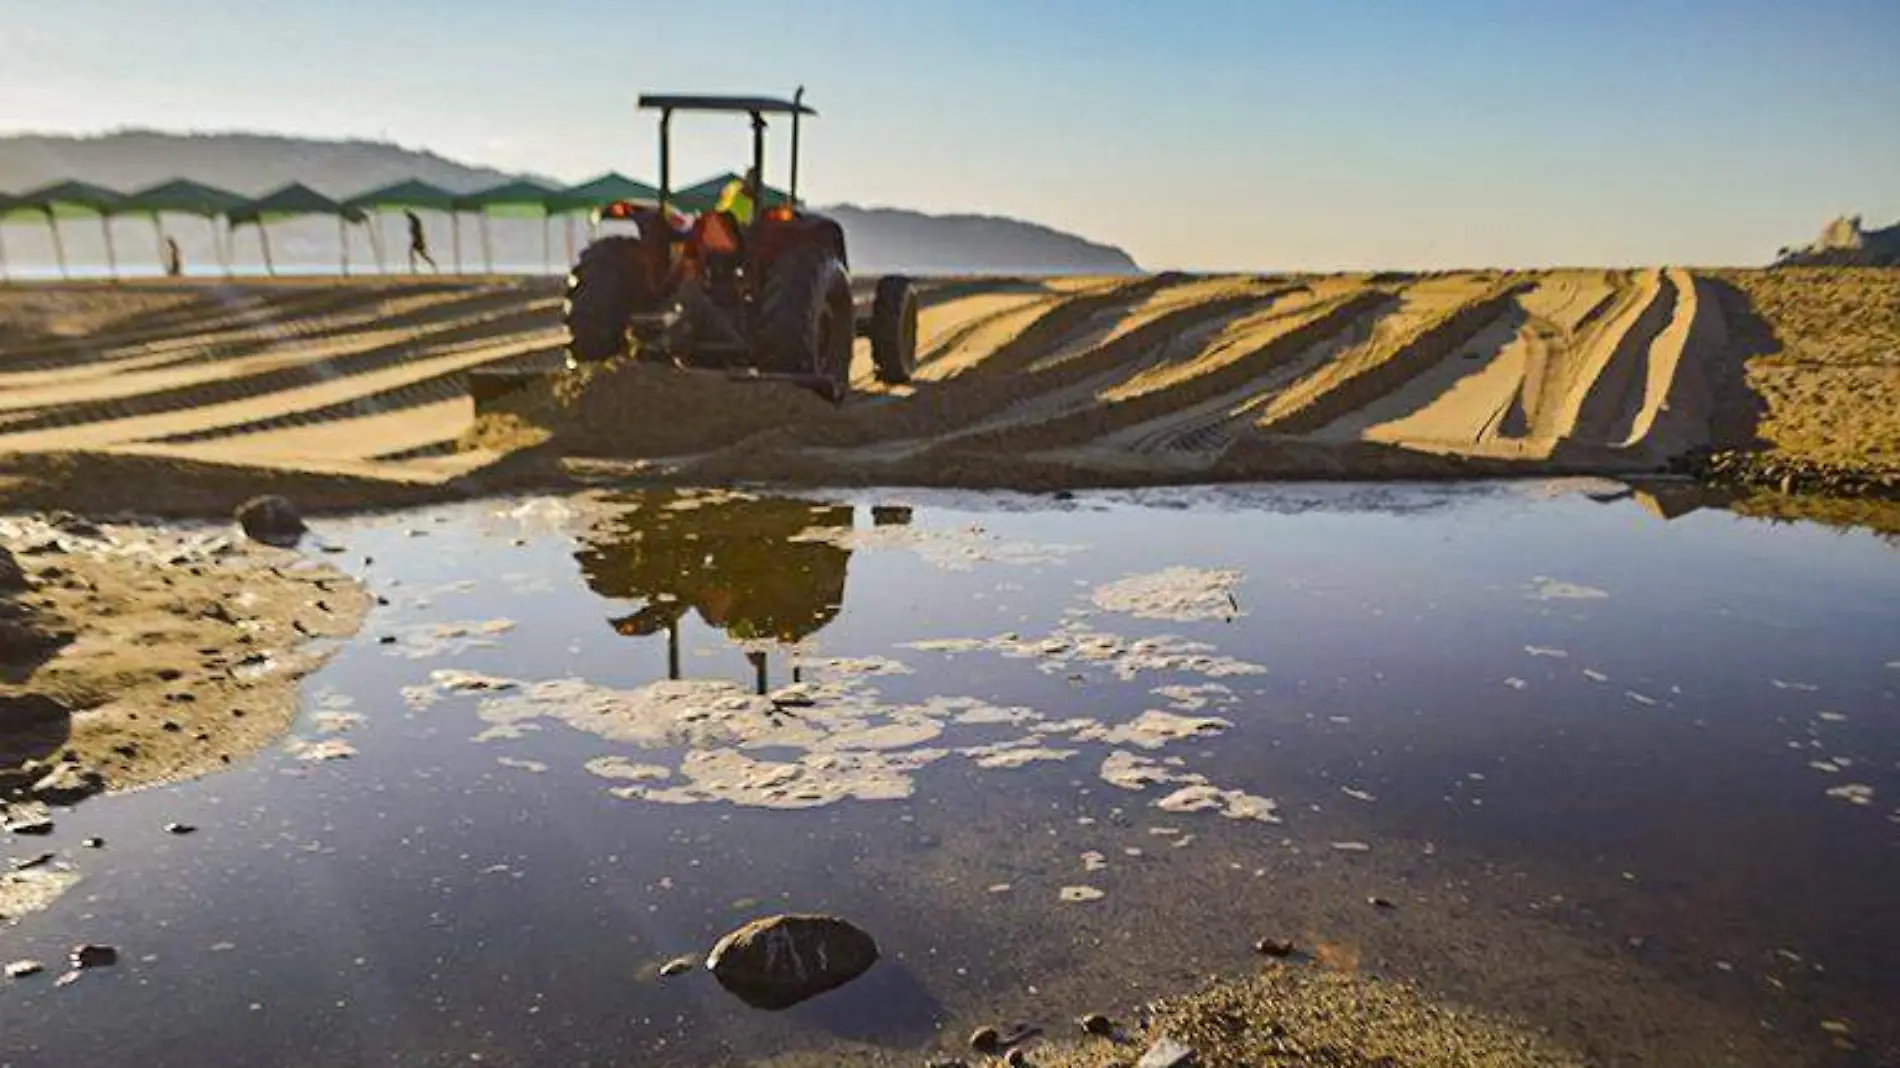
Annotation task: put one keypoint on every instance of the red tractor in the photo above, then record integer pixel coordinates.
(768, 297)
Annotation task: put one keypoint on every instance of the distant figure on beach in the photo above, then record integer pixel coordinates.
(418, 244)
(174, 259)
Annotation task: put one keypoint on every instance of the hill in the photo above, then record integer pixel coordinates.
(1845, 243)
(881, 239)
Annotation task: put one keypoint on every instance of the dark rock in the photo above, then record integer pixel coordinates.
(68, 784)
(1097, 1024)
(170, 674)
(676, 966)
(93, 956)
(1016, 1058)
(29, 863)
(12, 577)
(1273, 947)
(93, 843)
(779, 961)
(30, 710)
(1167, 1053)
(272, 520)
(180, 828)
(986, 1040)
(387, 639)
(20, 969)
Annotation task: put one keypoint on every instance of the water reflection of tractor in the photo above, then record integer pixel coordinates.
(738, 563)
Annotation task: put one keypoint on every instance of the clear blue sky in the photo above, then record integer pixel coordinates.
(1248, 134)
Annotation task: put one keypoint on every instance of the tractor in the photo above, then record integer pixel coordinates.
(768, 297)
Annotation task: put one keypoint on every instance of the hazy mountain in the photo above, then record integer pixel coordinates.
(1844, 243)
(880, 239)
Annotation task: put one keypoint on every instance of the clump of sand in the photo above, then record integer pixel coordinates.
(1288, 1016)
(185, 653)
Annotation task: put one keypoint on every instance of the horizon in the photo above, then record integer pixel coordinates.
(1473, 134)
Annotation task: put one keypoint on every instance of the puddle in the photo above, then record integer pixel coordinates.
(1056, 759)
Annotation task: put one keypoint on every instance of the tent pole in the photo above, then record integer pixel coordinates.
(59, 245)
(217, 245)
(263, 237)
(112, 258)
(488, 253)
(343, 242)
(455, 225)
(372, 226)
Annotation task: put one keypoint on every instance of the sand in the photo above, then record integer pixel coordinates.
(179, 651)
(353, 391)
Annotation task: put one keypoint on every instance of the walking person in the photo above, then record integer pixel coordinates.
(419, 244)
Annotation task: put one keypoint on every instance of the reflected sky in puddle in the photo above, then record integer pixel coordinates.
(1543, 725)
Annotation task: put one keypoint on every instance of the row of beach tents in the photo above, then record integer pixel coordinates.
(70, 200)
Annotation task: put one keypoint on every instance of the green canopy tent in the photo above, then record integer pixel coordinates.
(184, 197)
(520, 199)
(289, 202)
(405, 196)
(591, 197)
(705, 196)
(66, 200)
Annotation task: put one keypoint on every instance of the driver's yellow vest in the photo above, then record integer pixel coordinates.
(735, 200)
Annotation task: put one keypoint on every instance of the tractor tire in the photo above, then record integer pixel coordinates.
(894, 330)
(606, 287)
(805, 319)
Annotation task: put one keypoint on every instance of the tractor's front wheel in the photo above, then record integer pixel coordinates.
(894, 330)
(805, 319)
(606, 287)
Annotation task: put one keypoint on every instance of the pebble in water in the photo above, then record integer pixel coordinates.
(1097, 1024)
(1273, 947)
(676, 966)
(93, 956)
(179, 828)
(20, 969)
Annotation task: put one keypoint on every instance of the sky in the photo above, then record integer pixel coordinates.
(1204, 134)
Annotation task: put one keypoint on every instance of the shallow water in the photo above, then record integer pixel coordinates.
(1555, 725)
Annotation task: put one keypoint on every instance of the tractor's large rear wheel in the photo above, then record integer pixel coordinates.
(605, 289)
(805, 319)
(894, 329)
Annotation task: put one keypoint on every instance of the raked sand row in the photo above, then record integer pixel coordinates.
(1161, 378)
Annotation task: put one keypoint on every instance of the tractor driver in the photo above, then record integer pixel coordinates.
(740, 197)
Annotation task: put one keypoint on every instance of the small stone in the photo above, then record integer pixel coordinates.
(170, 674)
(93, 843)
(1380, 903)
(179, 828)
(20, 969)
(1167, 1053)
(1273, 947)
(93, 956)
(272, 520)
(676, 966)
(985, 1040)
(29, 863)
(1016, 1058)
(28, 822)
(1097, 1024)
(387, 639)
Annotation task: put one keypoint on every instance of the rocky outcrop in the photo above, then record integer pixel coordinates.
(1845, 242)
(779, 961)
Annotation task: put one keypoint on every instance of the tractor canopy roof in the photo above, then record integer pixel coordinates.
(764, 105)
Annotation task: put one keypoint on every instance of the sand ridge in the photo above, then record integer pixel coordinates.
(1023, 383)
